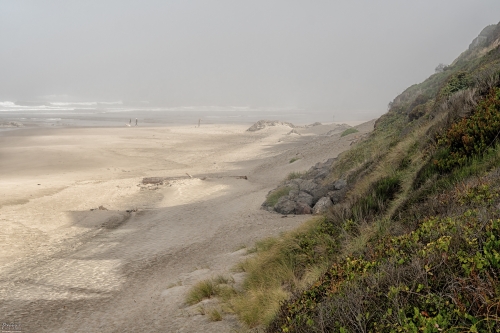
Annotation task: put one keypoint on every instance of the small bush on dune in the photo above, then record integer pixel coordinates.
(349, 131)
(471, 136)
(383, 191)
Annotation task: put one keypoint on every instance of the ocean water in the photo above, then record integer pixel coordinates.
(119, 114)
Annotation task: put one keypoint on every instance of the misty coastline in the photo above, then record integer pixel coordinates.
(98, 115)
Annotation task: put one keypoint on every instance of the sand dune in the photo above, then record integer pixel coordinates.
(68, 266)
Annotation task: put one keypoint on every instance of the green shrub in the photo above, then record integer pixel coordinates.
(471, 136)
(349, 131)
(383, 191)
(458, 81)
(294, 159)
(440, 277)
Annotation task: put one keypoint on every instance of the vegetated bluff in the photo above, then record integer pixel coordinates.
(415, 244)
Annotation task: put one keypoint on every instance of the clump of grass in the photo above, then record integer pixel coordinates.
(281, 267)
(273, 197)
(349, 131)
(201, 310)
(258, 307)
(294, 159)
(221, 279)
(200, 291)
(218, 286)
(214, 315)
(294, 175)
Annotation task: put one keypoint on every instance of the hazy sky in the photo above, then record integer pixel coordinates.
(339, 56)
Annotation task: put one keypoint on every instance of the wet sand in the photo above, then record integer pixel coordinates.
(68, 266)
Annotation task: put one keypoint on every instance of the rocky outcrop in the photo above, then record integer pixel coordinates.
(261, 124)
(339, 184)
(322, 206)
(285, 206)
(301, 209)
(308, 194)
(482, 38)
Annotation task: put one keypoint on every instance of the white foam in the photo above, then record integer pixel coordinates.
(73, 103)
(8, 104)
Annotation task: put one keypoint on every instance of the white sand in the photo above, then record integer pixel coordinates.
(67, 268)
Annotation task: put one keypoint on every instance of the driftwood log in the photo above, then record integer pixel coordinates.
(161, 180)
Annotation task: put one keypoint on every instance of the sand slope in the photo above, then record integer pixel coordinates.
(66, 266)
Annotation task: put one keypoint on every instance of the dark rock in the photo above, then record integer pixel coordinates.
(321, 174)
(308, 186)
(337, 196)
(285, 206)
(295, 183)
(339, 184)
(305, 198)
(319, 192)
(302, 208)
(321, 169)
(322, 206)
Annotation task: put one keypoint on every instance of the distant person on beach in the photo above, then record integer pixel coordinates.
(130, 121)
(135, 121)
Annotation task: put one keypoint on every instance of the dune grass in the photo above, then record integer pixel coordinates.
(280, 267)
(220, 286)
(200, 291)
(349, 131)
(295, 175)
(214, 315)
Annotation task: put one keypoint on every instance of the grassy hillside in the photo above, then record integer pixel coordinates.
(415, 246)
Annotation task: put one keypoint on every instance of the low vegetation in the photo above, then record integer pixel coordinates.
(415, 246)
(294, 175)
(349, 131)
(220, 286)
(214, 315)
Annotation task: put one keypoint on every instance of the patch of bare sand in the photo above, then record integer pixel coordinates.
(67, 266)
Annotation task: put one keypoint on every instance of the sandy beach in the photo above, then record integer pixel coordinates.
(85, 246)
